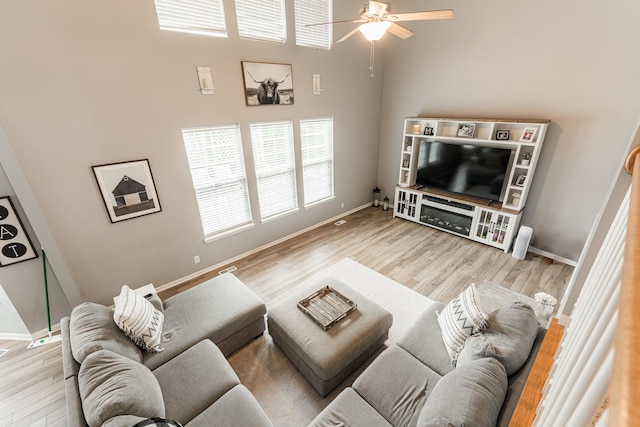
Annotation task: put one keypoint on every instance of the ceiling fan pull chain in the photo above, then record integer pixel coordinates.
(372, 56)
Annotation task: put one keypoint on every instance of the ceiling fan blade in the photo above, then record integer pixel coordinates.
(335, 22)
(355, 31)
(421, 16)
(399, 31)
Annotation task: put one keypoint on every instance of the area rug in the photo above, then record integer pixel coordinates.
(282, 391)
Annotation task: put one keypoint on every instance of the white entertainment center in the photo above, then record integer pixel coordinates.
(494, 220)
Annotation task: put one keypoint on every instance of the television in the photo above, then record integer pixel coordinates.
(467, 169)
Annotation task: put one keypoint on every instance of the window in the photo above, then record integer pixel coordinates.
(192, 16)
(316, 139)
(313, 12)
(219, 178)
(261, 20)
(275, 167)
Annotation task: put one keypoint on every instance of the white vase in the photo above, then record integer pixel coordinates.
(525, 162)
(543, 310)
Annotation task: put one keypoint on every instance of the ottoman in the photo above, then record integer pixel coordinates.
(325, 358)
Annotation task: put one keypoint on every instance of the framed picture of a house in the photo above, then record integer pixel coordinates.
(127, 189)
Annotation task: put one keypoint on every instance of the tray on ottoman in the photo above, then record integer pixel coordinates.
(327, 307)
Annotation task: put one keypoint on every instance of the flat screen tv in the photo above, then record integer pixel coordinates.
(466, 169)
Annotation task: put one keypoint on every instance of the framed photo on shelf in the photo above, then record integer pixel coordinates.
(528, 134)
(466, 130)
(127, 189)
(520, 180)
(502, 134)
(405, 163)
(15, 243)
(267, 84)
(428, 130)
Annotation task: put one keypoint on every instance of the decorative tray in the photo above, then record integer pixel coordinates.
(327, 307)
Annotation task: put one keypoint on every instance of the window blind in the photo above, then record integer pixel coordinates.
(316, 140)
(261, 20)
(219, 178)
(275, 167)
(192, 16)
(313, 12)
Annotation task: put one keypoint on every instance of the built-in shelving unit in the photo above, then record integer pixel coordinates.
(490, 222)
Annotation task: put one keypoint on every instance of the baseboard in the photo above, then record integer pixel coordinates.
(553, 256)
(15, 337)
(254, 251)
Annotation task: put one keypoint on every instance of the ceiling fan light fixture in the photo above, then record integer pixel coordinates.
(373, 31)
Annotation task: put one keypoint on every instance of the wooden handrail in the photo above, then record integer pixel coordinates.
(624, 388)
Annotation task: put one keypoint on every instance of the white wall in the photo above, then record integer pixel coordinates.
(87, 83)
(573, 62)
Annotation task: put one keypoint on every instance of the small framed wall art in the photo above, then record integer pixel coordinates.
(428, 130)
(14, 242)
(466, 130)
(528, 134)
(127, 189)
(267, 84)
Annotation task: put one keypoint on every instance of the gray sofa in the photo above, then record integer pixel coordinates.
(111, 382)
(414, 383)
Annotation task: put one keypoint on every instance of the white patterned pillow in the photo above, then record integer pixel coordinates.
(139, 320)
(462, 317)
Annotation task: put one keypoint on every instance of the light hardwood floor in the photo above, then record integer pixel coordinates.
(433, 263)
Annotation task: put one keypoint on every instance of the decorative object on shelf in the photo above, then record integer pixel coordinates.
(14, 241)
(466, 130)
(545, 304)
(502, 134)
(275, 86)
(385, 203)
(515, 198)
(405, 163)
(526, 158)
(408, 148)
(127, 189)
(428, 130)
(528, 134)
(416, 129)
(520, 180)
(376, 197)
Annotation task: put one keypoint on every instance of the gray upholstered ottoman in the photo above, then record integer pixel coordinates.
(325, 358)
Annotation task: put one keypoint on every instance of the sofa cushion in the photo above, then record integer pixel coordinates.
(216, 310)
(112, 385)
(424, 341)
(200, 375)
(511, 333)
(396, 384)
(235, 408)
(470, 395)
(139, 319)
(461, 317)
(349, 409)
(91, 328)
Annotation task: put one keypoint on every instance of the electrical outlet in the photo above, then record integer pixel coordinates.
(342, 205)
(196, 259)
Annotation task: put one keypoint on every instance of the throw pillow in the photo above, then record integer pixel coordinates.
(460, 318)
(471, 395)
(111, 385)
(509, 338)
(139, 319)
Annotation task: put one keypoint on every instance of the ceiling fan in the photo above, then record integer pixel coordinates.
(377, 19)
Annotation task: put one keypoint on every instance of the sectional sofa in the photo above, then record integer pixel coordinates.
(110, 381)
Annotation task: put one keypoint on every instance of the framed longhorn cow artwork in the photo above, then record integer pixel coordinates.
(267, 84)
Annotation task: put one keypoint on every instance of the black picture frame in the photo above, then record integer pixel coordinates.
(466, 130)
(428, 130)
(15, 244)
(503, 134)
(127, 189)
(267, 83)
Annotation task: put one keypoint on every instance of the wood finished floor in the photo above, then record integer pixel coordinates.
(433, 263)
